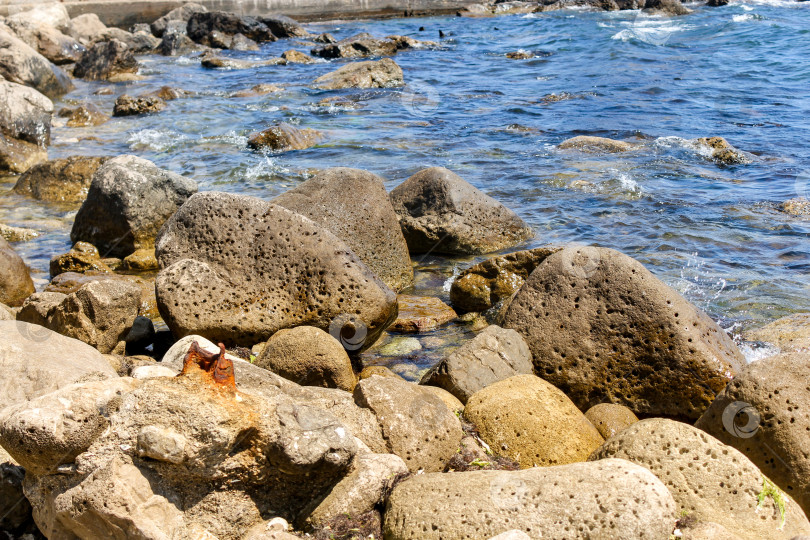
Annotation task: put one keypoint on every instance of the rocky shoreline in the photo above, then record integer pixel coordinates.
(591, 400)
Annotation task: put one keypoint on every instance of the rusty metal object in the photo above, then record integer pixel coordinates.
(215, 365)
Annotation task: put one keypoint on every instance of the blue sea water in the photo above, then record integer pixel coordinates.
(714, 233)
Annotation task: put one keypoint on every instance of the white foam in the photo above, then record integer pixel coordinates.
(757, 350)
(159, 140)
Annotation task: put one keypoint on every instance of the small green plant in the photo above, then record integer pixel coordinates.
(770, 490)
(480, 463)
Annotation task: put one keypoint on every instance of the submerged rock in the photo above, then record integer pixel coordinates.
(383, 73)
(798, 206)
(765, 414)
(708, 480)
(284, 137)
(419, 314)
(364, 44)
(483, 285)
(493, 355)
(60, 180)
(790, 334)
(15, 281)
(441, 213)
(603, 329)
(581, 500)
(107, 60)
(130, 106)
(84, 116)
(296, 57)
(293, 272)
(721, 151)
(354, 206)
(128, 201)
(587, 143)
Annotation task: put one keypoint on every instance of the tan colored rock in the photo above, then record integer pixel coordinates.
(483, 285)
(131, 106)
(18, 156)
(416, 425)
(765, 414)
(790, 334)
(257, 90)
(449, 399)
(609, 418)
(296, 57)
(60, 180)
(384, 73)
(419, 314)
(141, 260)
(15, 281)
(84, 116)
(609, 499)
(70, 282)
(493, 355)
(86, 28)
(284, 137)
(308, 356)
(704, 530)
(17, 234)
(21, 64)
(603, 329)
(529, 420)
(798, 206)
(79, 262)
(709, 480)
(721, 151)
(587, 143)
(382, 371)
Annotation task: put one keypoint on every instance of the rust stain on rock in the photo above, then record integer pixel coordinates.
(215, 365)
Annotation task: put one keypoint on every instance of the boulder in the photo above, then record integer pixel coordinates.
(140, 260)
(765, 414)
(360, 491)
(441, 213)
(308, 356)
(529, 420)
(38, 307)
(483, 285)
(128, 201)
(167, 469)
(19, 63)
(790, 334)
(283, 26)
(709, 480)
(419, 314)
(70, 282)
(51, 13)
(294, 273)
(130, 106)
(601, 145)
(15, 281)
(48, 41)
(667, 7)
(30, 367)
(607, 499)
(110, 60)
(169, 93)
(241, 43)
(86, 28)
(604, 329)
(25, 126)
(384, 73)
(212, 61)
(692, 529)
(6, 313)
(493, 355)
(86, 115)
(416, 424)
(202, 24)
(78, 261)
(719, 150)
(17, 156)
(60, 180)
(257, 90)
(176, 42)
(181, 14)
(296, 57)
(354, 206)
(137, 42)
(797, 206)
(609, 418)
(284, 137)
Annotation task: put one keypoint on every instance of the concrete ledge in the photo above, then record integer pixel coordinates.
(126, 13)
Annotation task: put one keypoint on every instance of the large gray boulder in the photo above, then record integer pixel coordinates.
(110, 60)
(354, 206)
(416, 424)
(603, 328)
(25, 127)
(36, 361)
(128, 201)
(493, 355)
(441, 213)
(15, 281)
(21, 64)
(292, 272)
(709, 480)
(765, 414)
(607, 500)
(180, 14)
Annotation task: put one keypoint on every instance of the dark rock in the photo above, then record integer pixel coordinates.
(107, 60)
(202, 24)
(180, 14)
(441, 213)
(130, 106)
(283, 26)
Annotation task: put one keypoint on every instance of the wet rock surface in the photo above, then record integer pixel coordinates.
(60, 180)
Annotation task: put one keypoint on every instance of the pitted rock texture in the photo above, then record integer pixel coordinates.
(383, 73)
(31, 368)
(603, 329)
(609, 418)
(765, 414)
(441, 213)
(292, 273)
(483, 285)
(416, 424)
(60, 180)
(493, 355)
(354, 206)
(129, 200)
(709, 480)
(527, 419)
(611, 499)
